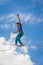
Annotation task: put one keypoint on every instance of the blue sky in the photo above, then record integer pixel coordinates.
(31, 14)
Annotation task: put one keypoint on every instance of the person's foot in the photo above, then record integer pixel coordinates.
(22, 44)
(15, 44)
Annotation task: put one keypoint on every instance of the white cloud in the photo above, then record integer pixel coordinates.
(5, 26)
(30, 18)
(14, 56)
(34, 47)
(12, 18)
(18, 59)
(2, 40)
(9, 18)
(42, 9)
(12, 41)
(1, 17)
(40, 1)
(2, 2)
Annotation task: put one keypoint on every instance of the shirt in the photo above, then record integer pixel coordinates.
(19, 27)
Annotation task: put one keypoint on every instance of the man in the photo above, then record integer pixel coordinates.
(20, 31)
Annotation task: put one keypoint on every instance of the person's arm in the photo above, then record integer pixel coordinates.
(18, 18)
(16, 31)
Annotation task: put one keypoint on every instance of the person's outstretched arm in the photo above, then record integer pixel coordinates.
(16, 31)
(18, 18)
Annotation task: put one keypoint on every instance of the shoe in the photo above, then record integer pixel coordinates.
(22, 45)
(15, 44)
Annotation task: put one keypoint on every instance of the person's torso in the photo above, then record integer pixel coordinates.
(19, 27)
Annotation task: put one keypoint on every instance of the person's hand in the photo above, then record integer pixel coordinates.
(14, 32)
(18, 18)
(17, 15)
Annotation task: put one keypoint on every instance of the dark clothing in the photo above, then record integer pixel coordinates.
(19, 27)
(20, 34)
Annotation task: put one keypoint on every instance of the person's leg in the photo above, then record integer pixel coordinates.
(16, 40)
(19, 37)
(20, 42)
